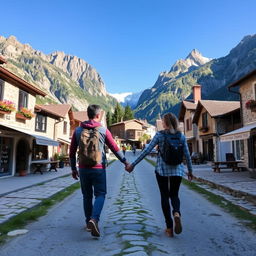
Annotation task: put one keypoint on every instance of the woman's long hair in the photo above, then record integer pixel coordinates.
(171, 122)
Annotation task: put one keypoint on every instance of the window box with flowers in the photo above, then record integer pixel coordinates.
(204, 129)
(24, 114)
(251, 104)
(6, 107)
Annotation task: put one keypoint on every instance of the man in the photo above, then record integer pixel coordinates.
(92, 177)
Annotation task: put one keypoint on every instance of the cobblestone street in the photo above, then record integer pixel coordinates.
(132, 223)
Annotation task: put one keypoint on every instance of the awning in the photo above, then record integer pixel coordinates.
(40, 140)
(239, 134)
(64, 141)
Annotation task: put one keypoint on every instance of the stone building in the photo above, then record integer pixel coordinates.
(244, 139)
(17, 123)
(214, 118)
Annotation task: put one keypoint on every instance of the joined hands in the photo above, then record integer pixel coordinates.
(129, 167)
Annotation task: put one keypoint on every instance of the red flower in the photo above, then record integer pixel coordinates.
(250, 103)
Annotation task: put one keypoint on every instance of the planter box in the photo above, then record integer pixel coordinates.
(2, 112)
(20, 116)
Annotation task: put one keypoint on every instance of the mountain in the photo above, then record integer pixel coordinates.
(66, 78)
(128, 98)
(213, 75)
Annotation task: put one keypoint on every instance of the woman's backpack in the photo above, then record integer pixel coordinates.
(172, 150)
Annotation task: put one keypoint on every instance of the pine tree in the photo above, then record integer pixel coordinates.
(109, 119)
(118, 114)
(128, 113)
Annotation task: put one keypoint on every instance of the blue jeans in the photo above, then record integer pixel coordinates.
(93, 181)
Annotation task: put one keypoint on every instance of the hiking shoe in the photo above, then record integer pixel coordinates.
(88, 229)
(178, 227)
(93, 226)
(169, 232)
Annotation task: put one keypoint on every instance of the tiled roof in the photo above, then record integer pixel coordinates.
(219, 108)
(57, 109)
(11, 78)
(189, 104)
(183, 107)
(124, 122)
(82, 115)
(215, 108)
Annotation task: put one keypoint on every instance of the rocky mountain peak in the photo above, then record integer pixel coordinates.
(193, 60)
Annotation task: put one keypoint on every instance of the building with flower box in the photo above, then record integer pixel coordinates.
(17, 123)
(246, 135)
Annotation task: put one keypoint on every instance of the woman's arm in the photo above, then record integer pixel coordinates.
(147, 150)
(187, 155)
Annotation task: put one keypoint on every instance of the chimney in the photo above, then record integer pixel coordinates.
(197, 93)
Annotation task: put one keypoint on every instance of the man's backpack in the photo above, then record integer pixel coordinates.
(172, 151)
(89, 149)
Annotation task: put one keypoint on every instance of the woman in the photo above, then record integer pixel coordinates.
(168, 176)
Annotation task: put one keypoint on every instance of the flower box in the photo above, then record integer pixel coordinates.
(21, 116)
(6, 106)
(2, 112)
(24, 114)
(204, 129)
(251, 104)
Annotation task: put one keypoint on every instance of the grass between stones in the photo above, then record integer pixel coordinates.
(22, 219)
(246, 218)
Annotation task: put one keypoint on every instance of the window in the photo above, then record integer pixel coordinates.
(41, 122)
(65, 127)
(189, 124)
(204, 120)
(40, 152)
(238, 149)
(23, 99)
(1, 89)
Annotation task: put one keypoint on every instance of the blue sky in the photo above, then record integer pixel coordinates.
(129, 42)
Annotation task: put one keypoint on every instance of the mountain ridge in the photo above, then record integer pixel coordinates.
(174, 86)
(67, 79)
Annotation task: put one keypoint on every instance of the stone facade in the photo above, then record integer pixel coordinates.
(247, 91)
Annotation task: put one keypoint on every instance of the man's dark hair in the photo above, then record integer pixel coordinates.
(93, 110)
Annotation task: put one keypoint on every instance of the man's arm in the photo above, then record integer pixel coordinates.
(72, 156)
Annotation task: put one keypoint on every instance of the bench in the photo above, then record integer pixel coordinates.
(40, 164)
(226, 165)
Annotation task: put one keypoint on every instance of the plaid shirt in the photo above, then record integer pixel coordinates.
(161, 167)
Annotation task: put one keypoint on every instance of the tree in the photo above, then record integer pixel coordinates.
(118, 114)
(128, 113)
(109, 119)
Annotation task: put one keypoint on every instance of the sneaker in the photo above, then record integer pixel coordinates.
(93, 226)
(178, 227)
(169, 232)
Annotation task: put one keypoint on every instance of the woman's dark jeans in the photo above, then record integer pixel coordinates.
(93, 181)
(169, 189)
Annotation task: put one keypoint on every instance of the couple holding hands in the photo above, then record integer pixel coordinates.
(93, 178)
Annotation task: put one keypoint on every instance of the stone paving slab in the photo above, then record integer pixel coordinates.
(22, 200)
(236, 187)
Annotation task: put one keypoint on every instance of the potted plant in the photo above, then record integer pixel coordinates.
(6, 106)
(60, 158)
(251, 104)
(24, 113)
